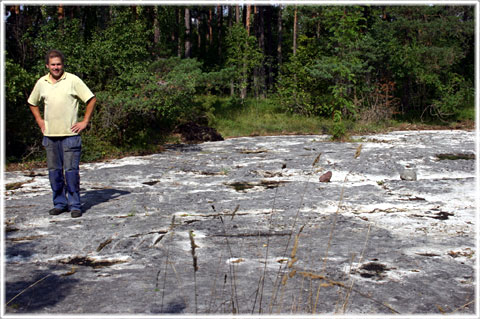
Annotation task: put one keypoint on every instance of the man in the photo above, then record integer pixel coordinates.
(61, 93)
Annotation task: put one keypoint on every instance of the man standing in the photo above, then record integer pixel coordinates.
(61, 93)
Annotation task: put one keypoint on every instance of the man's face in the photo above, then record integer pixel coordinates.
(55, 66)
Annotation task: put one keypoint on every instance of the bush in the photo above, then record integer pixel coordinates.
(338, 129)
(152, 104)
(22, 135)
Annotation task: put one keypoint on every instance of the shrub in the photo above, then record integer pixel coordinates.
(338, 129)
(152, 103)
(22, 135)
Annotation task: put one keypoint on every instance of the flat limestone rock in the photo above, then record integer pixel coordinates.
(211, 229)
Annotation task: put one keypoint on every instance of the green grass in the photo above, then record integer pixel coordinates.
(466, 114)
(264, 117)
(252, 117)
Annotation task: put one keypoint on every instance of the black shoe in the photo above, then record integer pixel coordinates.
(57, 211)
(76, 213)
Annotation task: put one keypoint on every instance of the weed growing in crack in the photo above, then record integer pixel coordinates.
(165, 269)
(233, 276)
(297, 215)
(194, 264)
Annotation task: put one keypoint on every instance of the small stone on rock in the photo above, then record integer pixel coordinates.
(325, 178)
(408, 175)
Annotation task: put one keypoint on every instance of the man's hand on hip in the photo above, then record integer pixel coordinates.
(78, 127)
(41, 124)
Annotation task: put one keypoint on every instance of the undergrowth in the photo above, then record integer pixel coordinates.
(265, 117)
(237, 118)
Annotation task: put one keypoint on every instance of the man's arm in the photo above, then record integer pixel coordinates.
(38, 117)
(80, 126)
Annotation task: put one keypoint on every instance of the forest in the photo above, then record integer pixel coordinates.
(155, 67)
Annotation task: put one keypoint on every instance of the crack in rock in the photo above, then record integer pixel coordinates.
(94, 262)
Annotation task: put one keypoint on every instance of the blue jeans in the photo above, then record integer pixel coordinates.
(63, 161)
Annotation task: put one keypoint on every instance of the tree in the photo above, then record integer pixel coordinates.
(295, 23)
(340, 61)
(427, 52)
(243, 55)
(188, 45)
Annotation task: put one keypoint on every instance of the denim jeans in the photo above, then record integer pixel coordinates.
(63, 160)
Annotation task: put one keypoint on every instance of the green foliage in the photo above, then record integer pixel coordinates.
(300, 90)
(350, 62)
(243, 54)
(66, 36)
(151, 104)
(94, 148)
(22, 133)
(262, 116)
(321, 76)
(338, 129)
(118, 52)
(424, 50)
(455, 95)
(417, 51)
(18, 83)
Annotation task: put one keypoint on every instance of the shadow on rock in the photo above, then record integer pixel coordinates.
(95, 197)
(18, 251)
(184, 148)
(45, 289)
(176, 306)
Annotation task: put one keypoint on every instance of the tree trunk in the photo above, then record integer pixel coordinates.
(269, 46)
(260, 24)
(295, 31)
(229, 17)
(176, 33)
(134, 12)
(188, 45)
(199, 33)
(247, 19)
(210, 27)
(219, 29)
(280, 39)
(156, 28)
(243, 93)
(61, 12)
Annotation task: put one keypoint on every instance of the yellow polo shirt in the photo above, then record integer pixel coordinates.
(61, 101)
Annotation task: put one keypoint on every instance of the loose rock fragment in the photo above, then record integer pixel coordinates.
(325, 178)
(408, 175)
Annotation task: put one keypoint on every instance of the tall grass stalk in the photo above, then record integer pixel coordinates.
(171, 231)
(360, 260)
(213, 293)
(262, 278)
(302, 198)
(32, 285)
(292, 271)
(341, 291)
(332, 229)
(193, 246)
(233, 280)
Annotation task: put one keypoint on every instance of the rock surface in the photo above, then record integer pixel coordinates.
(269, 237)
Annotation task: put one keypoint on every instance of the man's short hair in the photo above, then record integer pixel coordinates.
(54, 54)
